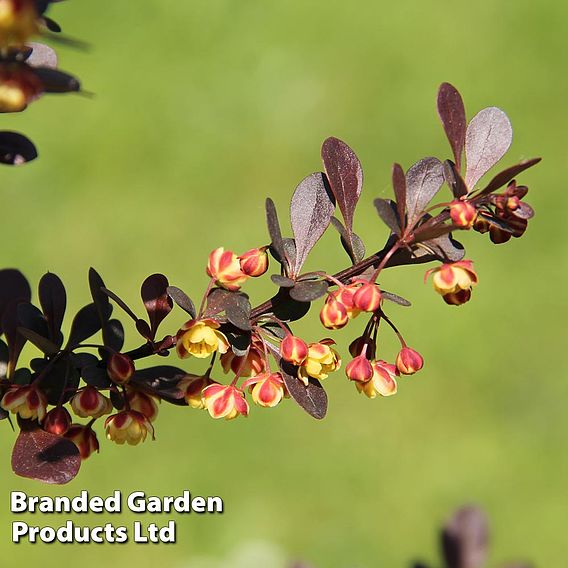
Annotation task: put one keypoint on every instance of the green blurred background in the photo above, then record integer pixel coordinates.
(201, 110)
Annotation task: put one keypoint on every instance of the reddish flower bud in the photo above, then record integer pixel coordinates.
(254, 262)
(368, 297)
(345, 295)
(28, 402)
(225, 268)
(454, 281)
(143, 403)
(90, 403)
(84, 438)
(252, 364)
(333, 314)
(57, 421)
(463, 213)
(409, 361)
(120, 368)
(226, 402)
(383, 381)
(293, 349)
(192, 386)
(359, 369)
(267, 389)
(128, 426)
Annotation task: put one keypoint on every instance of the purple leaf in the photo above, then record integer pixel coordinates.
(45, 457)
(345, 176)
(423, 180)
(310, 213)
(156, 300)
(277, 243)
(311, 398)
(309, 291)
(85, 324)
(454, 180)
(507, 175)
(55, 81)
(41, 56)
(16, 149)
(488, 137)
(182, 300)
(386, 209)
(452, 115)
(13, 287)
(53, 301)
(399, 186)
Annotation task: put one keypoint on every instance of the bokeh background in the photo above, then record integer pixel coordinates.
(202, 109)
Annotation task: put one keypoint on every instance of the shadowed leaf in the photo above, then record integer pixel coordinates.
(156, 300)
(85, 324)
(399, 187)
(53, 300)
(308, 291)
(16, 149)
(312, 398)
(488, 137)
(13, 287)
(452, 114)
(507, 175)
(182, 300)
(55, 81)
(277, 244)
(41, 342)
(423, 180)
(454, 180)
(386, 209)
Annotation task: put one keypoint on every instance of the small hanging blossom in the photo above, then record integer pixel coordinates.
(367, 298)
(359, 369)
(333, 314)
(192, 386)
(201, 338)
(90, 403)
(249, 365)
(27, 402)
(409, 361)
(120, 368)
(18, 22)
(254, 262)
(143, 403)
(225, 267)
(84, 438)
(226, 402)
(322, 360)
(128, 426)
(346, 296)
(57, 421)
(453, 281)
(267, 389)
(383, 381)
(19, 86)
(293, 349)
(463, 214)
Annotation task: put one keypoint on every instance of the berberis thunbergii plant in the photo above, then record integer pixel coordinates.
(256, 347)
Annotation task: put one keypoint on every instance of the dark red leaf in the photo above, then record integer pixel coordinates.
(53, 300)
(454, 180)
(345, 176)
(16, 149)
(452, 114)
(465, 539)
(488, 137)
(13, 287)
(41, 342)
(237, 310)
(309, 291)
(312, 398)
(85, 324)
(182, 300)
(399, 186)
(423, 180)
(45, 457)
(156, 300)
(55, 81)
(277, 243)
(311, 210)
(507, 175)
(282, 281)
(386, 209)
(113, 334)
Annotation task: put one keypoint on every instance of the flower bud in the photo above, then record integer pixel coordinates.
(128, 426)
(226, 402)
(368, 297)
(359, 369)
(453, 281)
(409, 361)
(254, 262)
(333, 314)
(143, 403)
(293, 349)
(463, 213)
(251, 364)
(481, 225)
(120, 368)
(201, 338)
(18, 21)
(57, 421)
(267, 389)
(383, 381)
(84, 438)
(192, 387)
(28, 402)
(345, 295)
(225, 268)
(321, 361)
(90, 403)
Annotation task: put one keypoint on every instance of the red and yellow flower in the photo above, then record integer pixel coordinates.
(201, 338)
(463, 214)
(322, 360)
(293, 349)
(120, 368)
(409, 361)
(367, 298)
(267, 389)
(128, 426)
(249, 365)
(28, 402)
(453, 281)
(19, 86)
(144, 403)
(192, 387)
(359, 369)
(383, 381)
(57, 421)
(225, 401)
(224, 266)
(18, 22)
(84, 438)
(90, 403)
(333, 314)
(254, 262)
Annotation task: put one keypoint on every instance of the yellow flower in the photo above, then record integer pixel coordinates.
(200, 338)
(28, 402)
(453, 281)
(321, 361)
(383, 381)
(128, 426)
(192, 387)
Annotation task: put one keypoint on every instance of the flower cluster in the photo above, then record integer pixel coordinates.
(77, 384)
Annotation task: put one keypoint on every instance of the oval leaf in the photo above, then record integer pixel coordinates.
(16, 149)
(85, 324)
(310, 213)
(156, 300)
(312, 398)
(488, 137)
(308, 291)
(53, 301)
(387, 212)
(182, 300)
(452, 114)
(423, 180)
